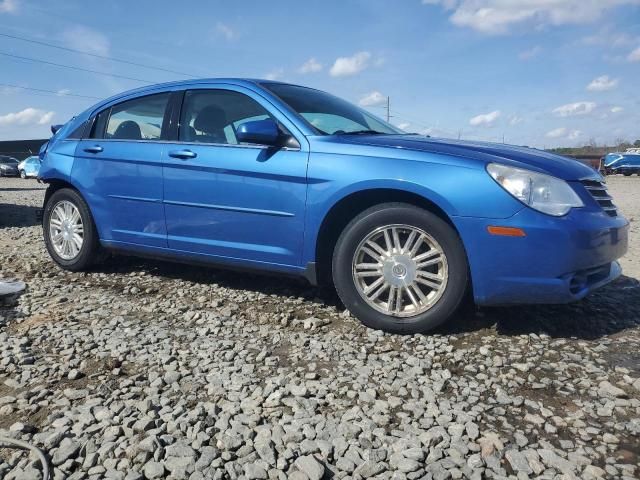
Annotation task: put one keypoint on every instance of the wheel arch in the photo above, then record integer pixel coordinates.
(55, 184)
(344, 210)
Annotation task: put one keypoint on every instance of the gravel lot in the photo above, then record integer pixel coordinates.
(144, 369)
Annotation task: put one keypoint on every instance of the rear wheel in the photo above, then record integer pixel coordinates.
(400, 268)
(627, 174)
(69, 231)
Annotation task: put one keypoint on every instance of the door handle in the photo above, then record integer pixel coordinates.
(94, 149)
(183, 154)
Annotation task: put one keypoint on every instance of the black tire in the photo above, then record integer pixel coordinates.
(90, 252)
(400, 214)
(627, 174)
(23, 174)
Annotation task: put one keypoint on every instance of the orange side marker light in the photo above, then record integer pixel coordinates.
(506, 231)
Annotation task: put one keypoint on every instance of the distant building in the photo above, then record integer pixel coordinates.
(21, 149)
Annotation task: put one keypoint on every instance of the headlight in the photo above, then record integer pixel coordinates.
(541, 192)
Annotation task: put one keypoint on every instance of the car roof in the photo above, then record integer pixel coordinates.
(247, 82)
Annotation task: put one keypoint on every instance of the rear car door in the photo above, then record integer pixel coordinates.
(119, 170)
(232, 200)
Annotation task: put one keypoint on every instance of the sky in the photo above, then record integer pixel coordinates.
(543, 73)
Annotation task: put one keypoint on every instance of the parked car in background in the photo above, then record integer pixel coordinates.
(626, 163)
(283, 178)
(8, 166)
(29, 167)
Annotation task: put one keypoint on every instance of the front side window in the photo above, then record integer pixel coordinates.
(138, 119)
(213, 116)
(327, 114)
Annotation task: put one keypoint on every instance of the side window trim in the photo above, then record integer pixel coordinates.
(92, 123)
(172, 131)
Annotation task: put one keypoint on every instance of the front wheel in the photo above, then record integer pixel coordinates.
(400, 268)
(23, 174)
(69, 232)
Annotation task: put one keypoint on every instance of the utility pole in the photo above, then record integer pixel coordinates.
(388, 112)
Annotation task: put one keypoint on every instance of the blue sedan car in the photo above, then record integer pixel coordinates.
(283, 178)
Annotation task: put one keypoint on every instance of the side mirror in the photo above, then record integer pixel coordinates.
(262, 132)
(55, 128)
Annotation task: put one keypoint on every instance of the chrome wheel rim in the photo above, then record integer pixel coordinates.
(66, 230)
(400, 270)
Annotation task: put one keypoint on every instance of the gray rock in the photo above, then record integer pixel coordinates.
(153, 470)
(67, 449)
(308, 465)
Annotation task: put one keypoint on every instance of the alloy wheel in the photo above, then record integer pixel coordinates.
(66, 230)
(400, 270)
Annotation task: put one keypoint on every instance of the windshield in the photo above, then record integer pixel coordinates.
(329, 115)
(8, 160)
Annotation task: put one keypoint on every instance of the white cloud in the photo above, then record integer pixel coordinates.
(528, 54)
(634, 56)
(602, 84)
(63, 91)
(86, 39)
(403, 126)
(574, 109)
(564, 132)
(515, 120)
(557, 133)
(345, 66)
(611, 38)
(275, 74)
(310, 66)
(574, 134)
(485, 120)
(447, 4)
(226, 31)
(372, 99)
(499, 16)
(8, 6)
(28, 116)
(617, 109)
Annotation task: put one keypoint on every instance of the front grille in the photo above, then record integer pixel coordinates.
(598, 191)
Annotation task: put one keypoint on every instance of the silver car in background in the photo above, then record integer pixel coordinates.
(8, 166)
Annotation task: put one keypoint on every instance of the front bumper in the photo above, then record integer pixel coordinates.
(560, 260)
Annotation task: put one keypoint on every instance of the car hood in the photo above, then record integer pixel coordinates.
(523, 157)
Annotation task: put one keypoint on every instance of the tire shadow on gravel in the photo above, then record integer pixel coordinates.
(12, 215)
(607, 311)
(610, 310)
(260, 282)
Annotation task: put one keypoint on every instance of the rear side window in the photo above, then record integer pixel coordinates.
(213, 116)
(99, 124)
(78, 132)
(138, 119)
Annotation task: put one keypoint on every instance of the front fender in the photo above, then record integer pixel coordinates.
(459, 190)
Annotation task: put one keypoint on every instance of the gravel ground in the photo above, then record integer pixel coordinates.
(145, 369)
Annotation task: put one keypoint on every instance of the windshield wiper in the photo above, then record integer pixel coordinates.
(362, 132)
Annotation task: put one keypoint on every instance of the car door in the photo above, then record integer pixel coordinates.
(119, 170)
(231, 200)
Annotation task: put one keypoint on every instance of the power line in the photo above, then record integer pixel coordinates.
(97, 72)
(58, 94)
(95, 55)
